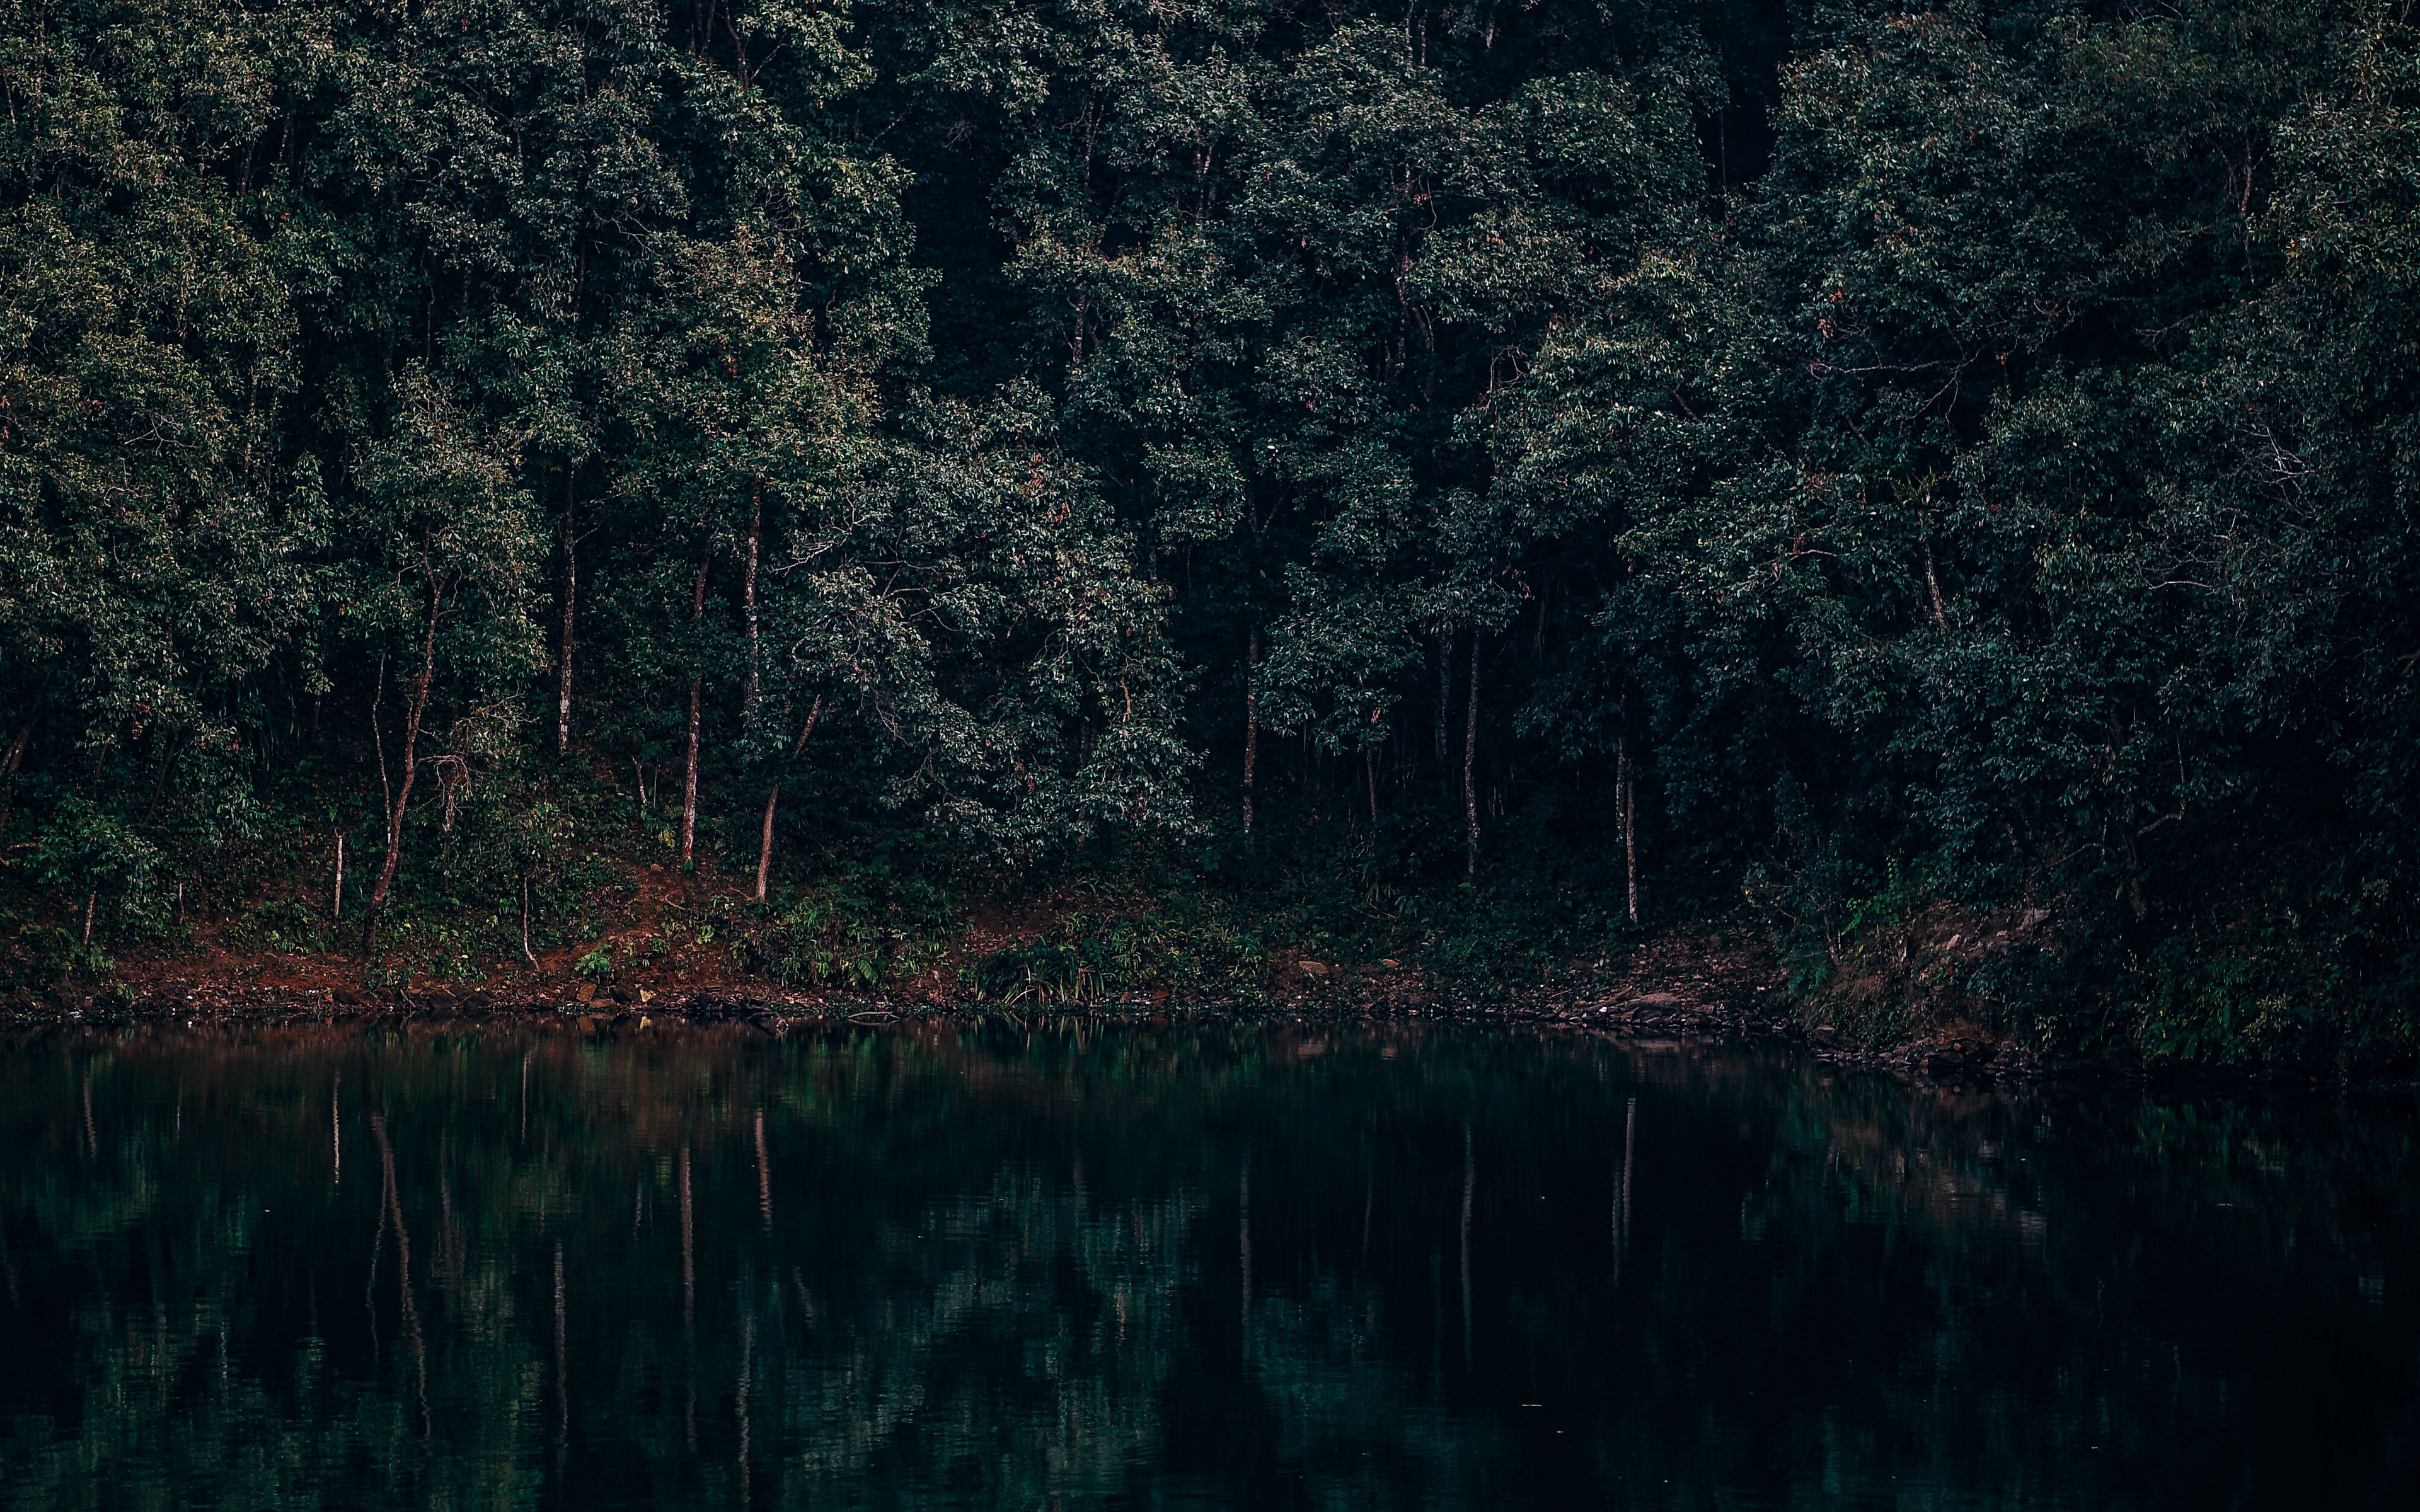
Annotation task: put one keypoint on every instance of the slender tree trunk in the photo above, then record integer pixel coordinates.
(378, 740)
(1932, 586)
(8, 770)
(748, 597)
(696, 689)
(1369, 780)
(773, 796)
(1625, 813)
(1469, 754)
(525, 913)
(1251, 721)
(410, 765)
(1630, 842)
(688, 776)
(765, 840)
(337, 909)
(570, 594)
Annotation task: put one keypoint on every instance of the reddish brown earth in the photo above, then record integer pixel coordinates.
(1684, 978)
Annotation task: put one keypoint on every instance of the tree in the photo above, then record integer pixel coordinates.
(447, 551)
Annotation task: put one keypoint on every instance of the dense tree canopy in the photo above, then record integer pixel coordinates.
(1884, 456)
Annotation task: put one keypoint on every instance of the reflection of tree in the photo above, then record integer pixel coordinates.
(1023, 1353)
(2057, 1297)
(1015, 1336)
(1323, 1362)
(700, 1269)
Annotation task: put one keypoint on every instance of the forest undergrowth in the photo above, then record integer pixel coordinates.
(611, 916)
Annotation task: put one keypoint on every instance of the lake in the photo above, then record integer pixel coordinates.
(1178, 1265)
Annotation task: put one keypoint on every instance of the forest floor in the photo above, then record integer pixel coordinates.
(1689, 974)
(1693, 982)
(653, 943)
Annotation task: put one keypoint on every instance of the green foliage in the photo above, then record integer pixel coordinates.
(828, 936)
(1189, 949)
(38, 957)
(595, 965)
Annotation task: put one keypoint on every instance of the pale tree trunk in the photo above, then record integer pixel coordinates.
(410, 765)
(773, 797)
(1630, 842)
(748, 597)
(696, 689)
(1469, 754)
(765, 840)
(1251, 721)
(336, 909)
(1625, 813)
(377, 742)
(570, 594)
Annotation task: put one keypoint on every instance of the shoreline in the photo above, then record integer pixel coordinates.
(1728, 997)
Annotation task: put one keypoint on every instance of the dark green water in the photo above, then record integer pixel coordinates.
(1172, 1268)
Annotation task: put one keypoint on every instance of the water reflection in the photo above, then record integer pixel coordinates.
(1170, 1267)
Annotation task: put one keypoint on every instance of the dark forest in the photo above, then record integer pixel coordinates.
(1930, 487)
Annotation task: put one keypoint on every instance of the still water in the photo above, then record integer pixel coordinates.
(1175, 1267)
